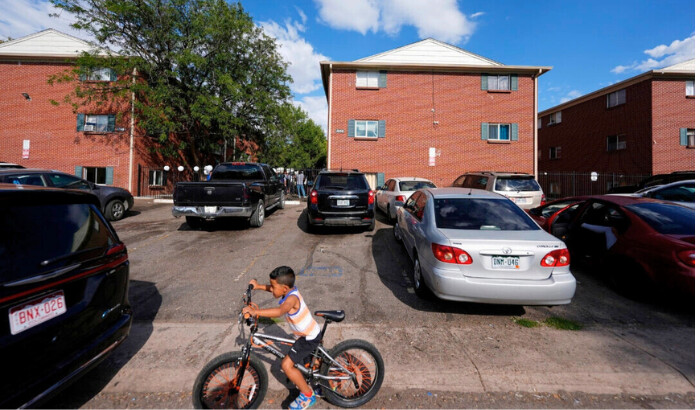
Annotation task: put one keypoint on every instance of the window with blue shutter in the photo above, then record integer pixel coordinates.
(514, 82)
(380, 179)
(78, 171)
(484, 130)
(109, 178)
(484, 81)
(382, 79)
(382, 130)
(111, 119)
(684, 137)
(81, 122)
(513, 132)
(351, 128)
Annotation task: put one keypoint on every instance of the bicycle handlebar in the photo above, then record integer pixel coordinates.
(246, 300)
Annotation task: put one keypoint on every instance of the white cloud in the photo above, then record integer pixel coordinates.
(573, 94)
(303, 60)
(439, 19)
(317, 108)
(19, 18)
(663, 56)
(477, 14)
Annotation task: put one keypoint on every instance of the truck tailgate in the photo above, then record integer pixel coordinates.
(219, 193)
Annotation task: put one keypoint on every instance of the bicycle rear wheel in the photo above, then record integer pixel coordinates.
(215, 386)
(363, 360)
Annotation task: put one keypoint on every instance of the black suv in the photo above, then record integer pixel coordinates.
(341, 198)
(114, 201)
(64, 276)
(660, 179)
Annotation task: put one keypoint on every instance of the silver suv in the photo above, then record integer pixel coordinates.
(519, 187)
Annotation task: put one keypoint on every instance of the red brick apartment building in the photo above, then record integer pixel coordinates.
(644, 125)
(430, 110)
(91, 143)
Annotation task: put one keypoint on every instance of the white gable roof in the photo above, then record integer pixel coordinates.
(430, 51)
(684, 66)
(46, 43)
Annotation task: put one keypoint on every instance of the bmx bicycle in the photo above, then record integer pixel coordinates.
(348, 375)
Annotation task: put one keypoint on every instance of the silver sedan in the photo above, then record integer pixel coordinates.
(395, 192)
(478, 246)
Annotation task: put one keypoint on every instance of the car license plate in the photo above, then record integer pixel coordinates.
(37, 311)
(343, 202)
(209, 209)
(520, 200)
(505, 262)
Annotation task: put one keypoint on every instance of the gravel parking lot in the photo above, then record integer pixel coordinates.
(186, 287)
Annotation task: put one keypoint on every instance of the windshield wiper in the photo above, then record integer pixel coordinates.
(70, 255)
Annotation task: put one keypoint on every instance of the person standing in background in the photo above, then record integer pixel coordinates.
(300, 185)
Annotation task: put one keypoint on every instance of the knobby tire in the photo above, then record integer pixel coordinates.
(362, 359)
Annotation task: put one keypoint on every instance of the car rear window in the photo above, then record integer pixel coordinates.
(414, 185)
(239, 172)
(481, 214)
(667, 219)
(516, 183)
(37, 239)
(344, 182)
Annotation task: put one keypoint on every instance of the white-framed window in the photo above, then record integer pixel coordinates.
(96, 123)
(554, 152)
(499, 82)
(97, 175)
(554, 118)
(367, 79)
(690, 88)
(366, 129)
(616, 143)
(616, 98)
(156, 177)
(100, 74)
(539, 123)
(499, 132)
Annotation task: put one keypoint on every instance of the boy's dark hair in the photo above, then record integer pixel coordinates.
(284, 275)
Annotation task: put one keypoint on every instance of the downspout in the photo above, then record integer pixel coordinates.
(535, 125)
(131, 133)
(330, 100)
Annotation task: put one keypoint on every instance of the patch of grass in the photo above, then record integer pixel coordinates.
(526, 322)
(269, 320)
(562, 324)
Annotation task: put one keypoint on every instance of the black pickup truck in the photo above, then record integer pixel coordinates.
(234, 189)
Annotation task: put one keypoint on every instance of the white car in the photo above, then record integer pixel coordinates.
(478, 246)
(680, 192)
(394, 193)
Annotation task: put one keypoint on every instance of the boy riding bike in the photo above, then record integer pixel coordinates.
(302, 323)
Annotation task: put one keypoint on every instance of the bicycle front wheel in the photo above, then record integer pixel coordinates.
(363, 360)
(216, 386)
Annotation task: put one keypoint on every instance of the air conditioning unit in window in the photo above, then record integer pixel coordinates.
(89, 127)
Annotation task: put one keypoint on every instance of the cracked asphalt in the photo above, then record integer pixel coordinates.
(186, 287)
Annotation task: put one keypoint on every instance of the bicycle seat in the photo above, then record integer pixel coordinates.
(334, 315)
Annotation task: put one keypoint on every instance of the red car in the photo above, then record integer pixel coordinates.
(635, 240)
(549, 213)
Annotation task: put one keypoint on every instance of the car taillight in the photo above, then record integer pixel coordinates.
(118, 248)
(449, 254)
(370, 201)
(313, 196)
(560, 257)
(401, 198)
(687, 257)
(543, 200)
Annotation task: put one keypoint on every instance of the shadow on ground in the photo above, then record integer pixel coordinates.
(146, 301)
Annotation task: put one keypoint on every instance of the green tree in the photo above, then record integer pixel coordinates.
(206, 74)
(296, 141)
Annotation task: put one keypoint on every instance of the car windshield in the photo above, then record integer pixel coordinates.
(239, 172)
(481, 214)
(517, 183)
(344, 182)
(667, 219)
(414, 185)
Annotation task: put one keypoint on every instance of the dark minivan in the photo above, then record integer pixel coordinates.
(64, 276)
(341, 198)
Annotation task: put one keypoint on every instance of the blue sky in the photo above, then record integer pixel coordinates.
(589, 44)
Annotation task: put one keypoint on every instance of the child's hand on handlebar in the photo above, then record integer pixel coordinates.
(254, 283)
(249, 311)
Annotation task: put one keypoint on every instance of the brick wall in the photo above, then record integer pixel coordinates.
(650, 121)
(583, 131)
(672, 111)
(460, 106)
(55, 142)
